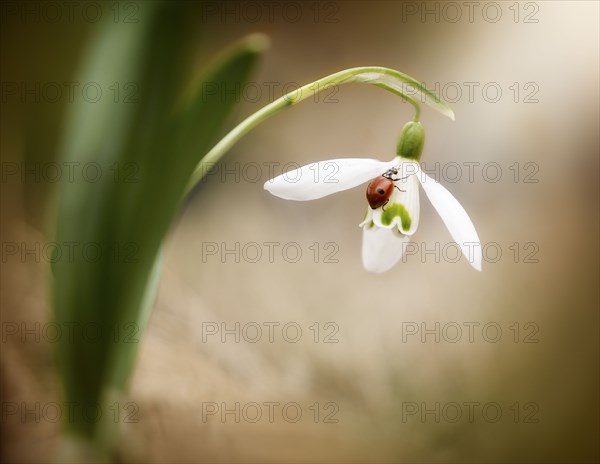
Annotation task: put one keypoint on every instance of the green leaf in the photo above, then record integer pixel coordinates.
(146, 150)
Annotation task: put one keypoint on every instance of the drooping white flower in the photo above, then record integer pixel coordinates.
(386, 228)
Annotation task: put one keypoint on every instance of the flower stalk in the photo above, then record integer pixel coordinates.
(389, 79)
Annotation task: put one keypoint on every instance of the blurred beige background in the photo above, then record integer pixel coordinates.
(375, 371)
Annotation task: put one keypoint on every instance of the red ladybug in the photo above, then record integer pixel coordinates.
(380, 189)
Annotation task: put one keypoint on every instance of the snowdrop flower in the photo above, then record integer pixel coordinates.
(393, 196)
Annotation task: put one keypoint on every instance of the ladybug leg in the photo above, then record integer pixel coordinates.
(400, 178)
(383, 206)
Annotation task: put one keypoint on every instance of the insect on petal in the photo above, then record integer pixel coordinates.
(317, 180)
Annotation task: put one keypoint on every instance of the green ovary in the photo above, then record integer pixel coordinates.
(396, 210)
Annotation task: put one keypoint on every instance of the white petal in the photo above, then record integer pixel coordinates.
(402, 211)
(317, 180)
(368, 217)
(382, 248)
(455, 217)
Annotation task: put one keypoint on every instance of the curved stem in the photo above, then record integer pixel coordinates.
(417, 114)
(388, 79)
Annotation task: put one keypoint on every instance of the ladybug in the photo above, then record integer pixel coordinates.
(380, 189)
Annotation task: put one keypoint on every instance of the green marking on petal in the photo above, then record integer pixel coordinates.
(396, 210)
(370, 225)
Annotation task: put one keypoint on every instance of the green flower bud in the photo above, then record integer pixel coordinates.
(410, 143)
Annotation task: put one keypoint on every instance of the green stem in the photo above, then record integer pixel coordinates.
(388, 79)
(417, 114)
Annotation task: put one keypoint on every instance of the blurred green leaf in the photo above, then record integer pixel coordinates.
(147, 150)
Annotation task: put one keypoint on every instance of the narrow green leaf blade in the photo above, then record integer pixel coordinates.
(161, 138)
